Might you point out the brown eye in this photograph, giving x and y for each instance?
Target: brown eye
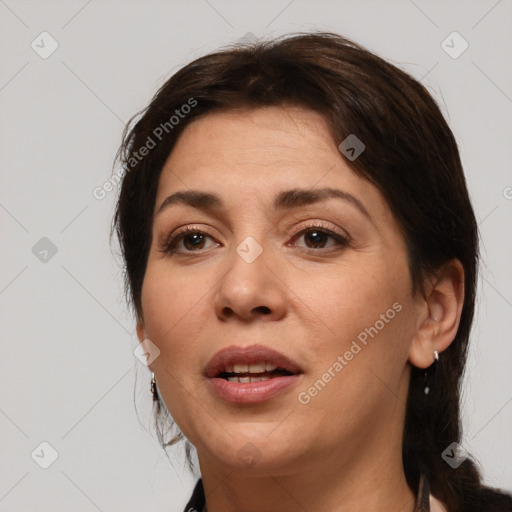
(191, 239)
(196, 241)
(316, 238)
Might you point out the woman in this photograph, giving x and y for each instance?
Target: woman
(301, 255)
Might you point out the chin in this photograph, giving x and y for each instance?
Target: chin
(255, 454)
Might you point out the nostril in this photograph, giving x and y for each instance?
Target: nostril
(227, 312)
(264, 309)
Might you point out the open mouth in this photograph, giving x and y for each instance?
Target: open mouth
(250, 376)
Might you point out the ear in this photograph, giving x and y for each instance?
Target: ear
(141, 331)
(141, 334)
(439, 310)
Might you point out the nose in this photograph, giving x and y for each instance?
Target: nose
(251, 290)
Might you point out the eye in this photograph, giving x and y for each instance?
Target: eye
(315, 236)
(193, 240)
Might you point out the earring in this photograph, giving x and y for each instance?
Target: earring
(431, 372)
(154, 392)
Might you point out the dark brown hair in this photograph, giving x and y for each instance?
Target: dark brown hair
(411, 156)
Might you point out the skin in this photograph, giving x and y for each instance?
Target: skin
(342, 450)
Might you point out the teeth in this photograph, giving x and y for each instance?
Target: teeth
(247, 379)
(257, 368)
(251, 368)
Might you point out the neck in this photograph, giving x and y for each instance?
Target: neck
(355, 479)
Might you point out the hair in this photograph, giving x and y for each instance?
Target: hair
(410, 155)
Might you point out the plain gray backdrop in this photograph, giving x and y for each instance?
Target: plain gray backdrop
(69, 375)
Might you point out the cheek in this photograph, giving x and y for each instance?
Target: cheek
(174, 310)
(364, 314)
(347, 299)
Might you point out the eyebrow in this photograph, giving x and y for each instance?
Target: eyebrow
(285, 200)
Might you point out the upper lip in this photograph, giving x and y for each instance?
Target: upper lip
(248, 355)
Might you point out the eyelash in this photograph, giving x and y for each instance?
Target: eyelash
(169, 245)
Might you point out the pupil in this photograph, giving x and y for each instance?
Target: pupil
(197, 239)
(316, 237)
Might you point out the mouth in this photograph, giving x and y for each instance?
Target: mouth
(251, 374)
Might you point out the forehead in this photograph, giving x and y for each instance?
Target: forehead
(262, 149)
(266, 136)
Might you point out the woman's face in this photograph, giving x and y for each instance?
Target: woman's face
(251, 272)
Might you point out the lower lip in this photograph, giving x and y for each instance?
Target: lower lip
(252, 392)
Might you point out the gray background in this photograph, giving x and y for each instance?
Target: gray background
(67, 366)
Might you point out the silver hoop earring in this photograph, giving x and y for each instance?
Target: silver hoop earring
(430, 373)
